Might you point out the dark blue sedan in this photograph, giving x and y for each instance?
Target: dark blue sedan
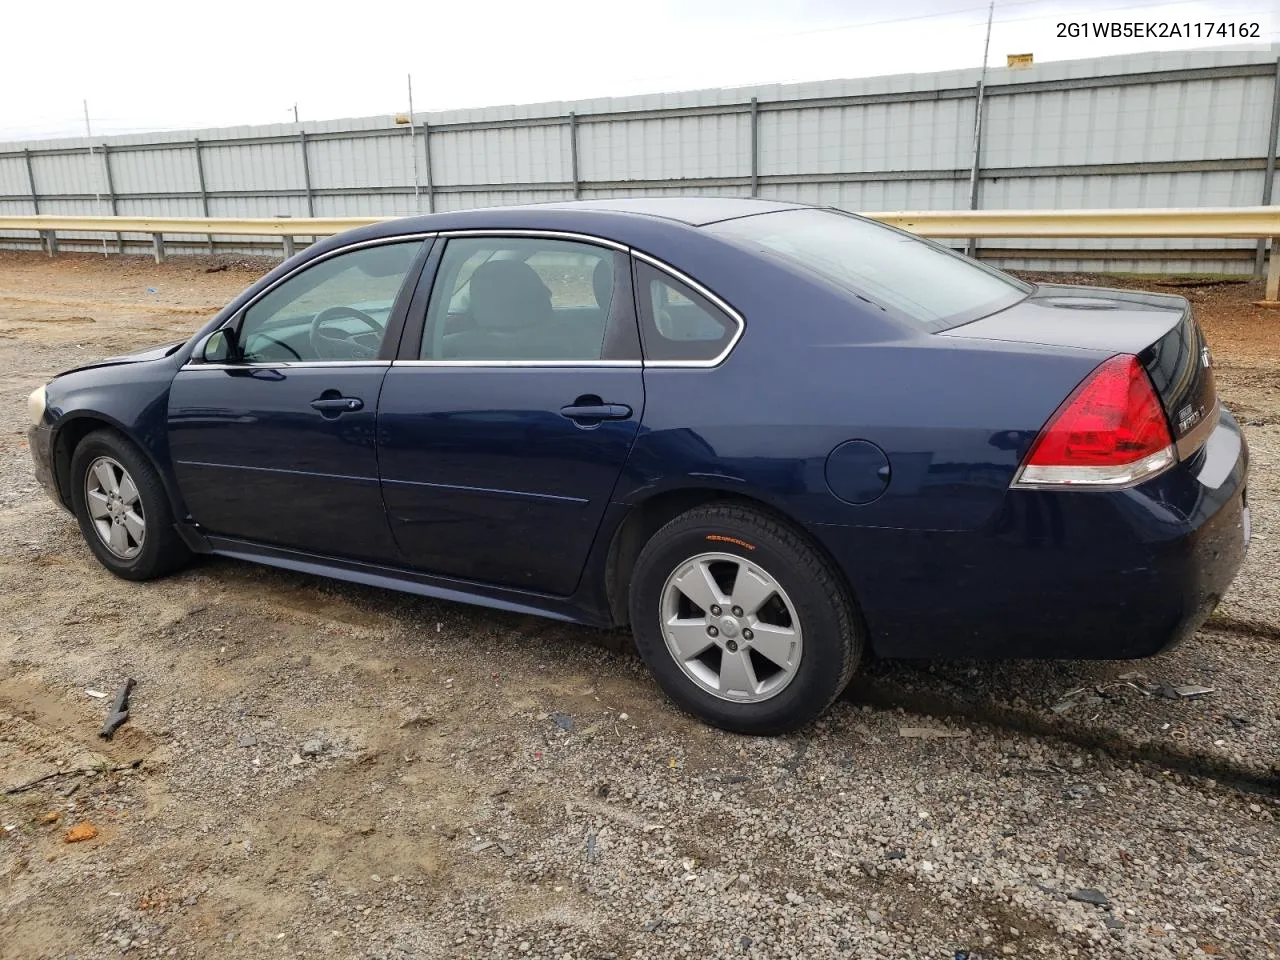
(771, 438)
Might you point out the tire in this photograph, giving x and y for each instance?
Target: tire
(144, 552)
(808, 624)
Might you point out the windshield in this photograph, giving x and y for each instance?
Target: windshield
(893, 269)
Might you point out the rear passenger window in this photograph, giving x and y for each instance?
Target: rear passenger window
(519, 298)
(679, 324)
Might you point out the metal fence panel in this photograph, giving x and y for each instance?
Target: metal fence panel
(914, 135)
(250, 166)
(13, 179)
(502, 155)
(169, 170)
(673, 148)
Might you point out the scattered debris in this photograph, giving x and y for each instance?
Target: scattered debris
(1242, 850)
(930, 733)
(651, 925)
(792, 764)
(248, 740)
(898, 854)
(81, 831)
(311, 748)
(482, 846)
(216, 268)
(1184, 691)
(1113, 923)
(1089, 895)
(78, 771)
(53, 816)
(592, 855)
(96, 694)
(563, 721)
(119, 710)
(1067, 700)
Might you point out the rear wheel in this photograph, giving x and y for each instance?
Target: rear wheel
(742, 622)
(123, 510)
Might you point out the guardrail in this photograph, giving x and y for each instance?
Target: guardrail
(1246, 223)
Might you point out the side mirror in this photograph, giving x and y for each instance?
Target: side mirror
(217, 347)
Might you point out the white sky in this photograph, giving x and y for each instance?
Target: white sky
(176, 64)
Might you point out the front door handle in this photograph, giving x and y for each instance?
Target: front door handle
(596, 411)
(337, 404)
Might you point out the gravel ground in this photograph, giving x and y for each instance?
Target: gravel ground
(324, 770)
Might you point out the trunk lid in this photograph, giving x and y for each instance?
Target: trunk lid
(1155, 327)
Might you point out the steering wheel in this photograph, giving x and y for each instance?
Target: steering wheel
(339, 344)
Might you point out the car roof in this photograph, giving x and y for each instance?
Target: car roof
(650, 224)
(695, 211)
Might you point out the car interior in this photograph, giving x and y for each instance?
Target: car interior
(504, 307)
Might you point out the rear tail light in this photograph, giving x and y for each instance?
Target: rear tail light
(1111, 432)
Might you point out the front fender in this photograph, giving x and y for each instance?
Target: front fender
(131, 398)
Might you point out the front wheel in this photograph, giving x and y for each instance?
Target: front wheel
(123, 510)
(742, 622)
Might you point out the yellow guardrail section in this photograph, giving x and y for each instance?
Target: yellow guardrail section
(229, 226)
(1212, 222)
(1222, 222)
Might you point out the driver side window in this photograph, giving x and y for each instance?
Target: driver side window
(336, 310)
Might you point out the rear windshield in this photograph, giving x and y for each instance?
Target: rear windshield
(893, 269)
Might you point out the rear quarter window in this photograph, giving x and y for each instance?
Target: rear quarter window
(678, 324)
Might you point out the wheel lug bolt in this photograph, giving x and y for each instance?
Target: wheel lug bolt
(737, 611)
(715, 610)
(713, 632)
(748, 635)
(731, 646)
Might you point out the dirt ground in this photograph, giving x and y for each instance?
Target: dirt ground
(313, 769)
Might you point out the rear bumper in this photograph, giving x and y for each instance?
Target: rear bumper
(1061, 574)
(40, 442)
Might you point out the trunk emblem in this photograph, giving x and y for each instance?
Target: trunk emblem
(1188, 417)
(1206, 360)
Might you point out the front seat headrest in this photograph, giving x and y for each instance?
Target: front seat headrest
(602, 283)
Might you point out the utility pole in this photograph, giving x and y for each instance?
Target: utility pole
(413, 150)
(971, 248)
(295, 113)
(97, 193)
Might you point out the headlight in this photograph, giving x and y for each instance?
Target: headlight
(36, 405)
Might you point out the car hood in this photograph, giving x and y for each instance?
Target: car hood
(141, 356)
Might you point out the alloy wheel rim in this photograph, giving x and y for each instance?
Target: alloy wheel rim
(115, 507)
(731, 628)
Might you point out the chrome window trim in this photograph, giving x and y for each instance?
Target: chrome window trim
(192, 363)
(288, 364)
(535, 232)
(729, 311)
(517, 363)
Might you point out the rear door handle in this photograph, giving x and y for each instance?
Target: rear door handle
(596, 411)
(337, 404)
